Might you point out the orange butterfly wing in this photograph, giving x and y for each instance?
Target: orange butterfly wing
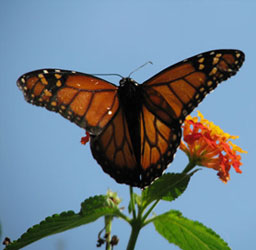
(88, 101)
(170, 96)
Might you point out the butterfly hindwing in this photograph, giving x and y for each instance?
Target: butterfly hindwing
(114, 151)
(159, 143)
(88, 101)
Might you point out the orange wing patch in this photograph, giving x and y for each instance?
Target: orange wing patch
(87, 82)
(153, 142)
(197, 79)
(65, 95)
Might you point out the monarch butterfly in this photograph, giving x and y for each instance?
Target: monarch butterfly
(134, 128)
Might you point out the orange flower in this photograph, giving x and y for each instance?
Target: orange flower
(208, 145)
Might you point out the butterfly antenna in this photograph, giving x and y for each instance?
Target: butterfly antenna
(110, 74)
(149, 62)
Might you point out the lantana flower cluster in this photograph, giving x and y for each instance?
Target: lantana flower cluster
(208, 145)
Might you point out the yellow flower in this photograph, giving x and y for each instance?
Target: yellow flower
(208, 145)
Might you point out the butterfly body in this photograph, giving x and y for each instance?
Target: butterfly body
(131, 99)
(135, 129)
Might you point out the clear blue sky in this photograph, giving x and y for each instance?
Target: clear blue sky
(44, 169)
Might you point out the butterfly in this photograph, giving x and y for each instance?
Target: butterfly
(134, 129)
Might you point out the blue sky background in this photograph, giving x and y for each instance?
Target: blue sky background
(44, 169)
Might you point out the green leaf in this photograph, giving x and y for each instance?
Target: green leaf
(187, 234)
(91, 209)
(97, 205)
(167, 187)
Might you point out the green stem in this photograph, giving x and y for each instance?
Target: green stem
(190, 166)
(134, 235)
(108, 226)
(136, 223)
(132, 203)
(124, 217)
(149, 211)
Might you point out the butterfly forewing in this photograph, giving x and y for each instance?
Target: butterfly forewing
(184, 85)
(88, 101)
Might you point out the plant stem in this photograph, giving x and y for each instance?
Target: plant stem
(134, 235)
(135, 223)
(149, 211)
(190, 166)
(132, 203)
(108, 225)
